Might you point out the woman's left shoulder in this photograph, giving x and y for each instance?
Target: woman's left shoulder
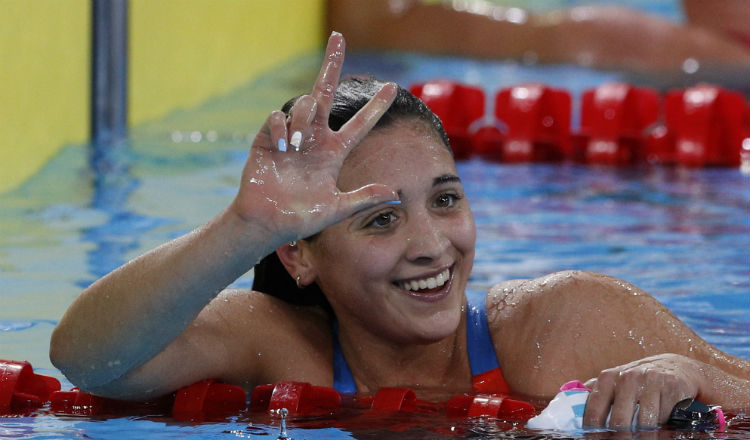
(537, 322)
(566, 289)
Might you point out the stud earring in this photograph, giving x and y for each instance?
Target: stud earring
(293, 243)
(299, 286)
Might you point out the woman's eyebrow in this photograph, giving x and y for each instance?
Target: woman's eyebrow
(445, 178)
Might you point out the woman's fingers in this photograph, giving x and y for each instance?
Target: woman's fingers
(655, 384)
(649, 414)
(358, 126)
(600, 400)
(300, 118)
(272, 135)
(277, 126)
(328, 78)
(627, 393)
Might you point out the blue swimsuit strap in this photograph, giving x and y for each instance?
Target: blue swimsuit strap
(482, 355)
(343, 381)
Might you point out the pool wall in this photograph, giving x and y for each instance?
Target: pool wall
(180, 54)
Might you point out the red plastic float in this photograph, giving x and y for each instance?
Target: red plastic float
(489, 405)
(615, 123)
(458, 106)
(77, 403)
(621, 124)
(208, 399)
(300, 398)
(708, 124)
(21, 390)
(538, 121)
(394, 399)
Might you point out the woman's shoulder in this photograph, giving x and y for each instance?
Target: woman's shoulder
(243, 307)
(568, 288)
(270, 335)
(541, 326)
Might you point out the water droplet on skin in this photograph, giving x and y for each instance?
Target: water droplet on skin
(538, 363)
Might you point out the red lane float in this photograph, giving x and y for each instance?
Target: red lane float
(22, 391)
(208, 399)
(621, 124)
(708, 125)
(489, 405)
(458, 106)
(538, 121)
(300, 398)
(77, 403)
(615, 119)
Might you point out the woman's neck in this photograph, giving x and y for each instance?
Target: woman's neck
(434, 371)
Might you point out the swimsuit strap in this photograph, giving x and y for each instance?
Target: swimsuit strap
(343, 381)
(482, 356)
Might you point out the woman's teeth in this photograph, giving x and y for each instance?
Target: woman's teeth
(427, 283)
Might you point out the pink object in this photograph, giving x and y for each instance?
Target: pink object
(574, 385)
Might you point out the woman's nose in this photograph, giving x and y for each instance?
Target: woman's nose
(426, 241)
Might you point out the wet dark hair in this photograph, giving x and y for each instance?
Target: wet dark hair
(351, 95)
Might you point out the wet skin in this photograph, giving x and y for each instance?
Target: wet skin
(363, 262)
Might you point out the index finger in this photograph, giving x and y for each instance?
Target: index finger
(328, 78)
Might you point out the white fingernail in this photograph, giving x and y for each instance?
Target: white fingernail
(281, 145)
(296, 140)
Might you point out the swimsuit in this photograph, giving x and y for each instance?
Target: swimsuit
(485, 369)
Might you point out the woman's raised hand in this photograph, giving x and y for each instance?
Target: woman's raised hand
(289, 181)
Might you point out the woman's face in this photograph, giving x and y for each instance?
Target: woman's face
(399, 271)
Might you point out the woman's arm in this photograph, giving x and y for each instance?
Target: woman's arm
(579, 325)
(129, 316)
(288, 191)
(600, 36)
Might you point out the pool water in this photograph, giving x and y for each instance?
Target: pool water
(679, 234)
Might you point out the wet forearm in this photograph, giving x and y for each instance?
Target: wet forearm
(132, 314)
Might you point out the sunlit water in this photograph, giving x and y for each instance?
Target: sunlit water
(681, 235)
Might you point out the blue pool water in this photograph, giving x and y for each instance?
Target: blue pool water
(681, 235)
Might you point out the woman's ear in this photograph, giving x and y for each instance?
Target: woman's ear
(296, 258)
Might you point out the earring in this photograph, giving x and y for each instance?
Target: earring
(293, 243)
(299, 286)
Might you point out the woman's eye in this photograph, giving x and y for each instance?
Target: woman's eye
(382, 220)
(446, 200)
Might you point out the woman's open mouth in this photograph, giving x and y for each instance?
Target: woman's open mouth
(431, 288)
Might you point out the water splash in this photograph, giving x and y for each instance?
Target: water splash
(283, 412)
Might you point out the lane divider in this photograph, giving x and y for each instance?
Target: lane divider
(620, 124)
(24, 393)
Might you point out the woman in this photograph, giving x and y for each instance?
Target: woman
(379, 222)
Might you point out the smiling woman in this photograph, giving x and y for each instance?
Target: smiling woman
(373, 212)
